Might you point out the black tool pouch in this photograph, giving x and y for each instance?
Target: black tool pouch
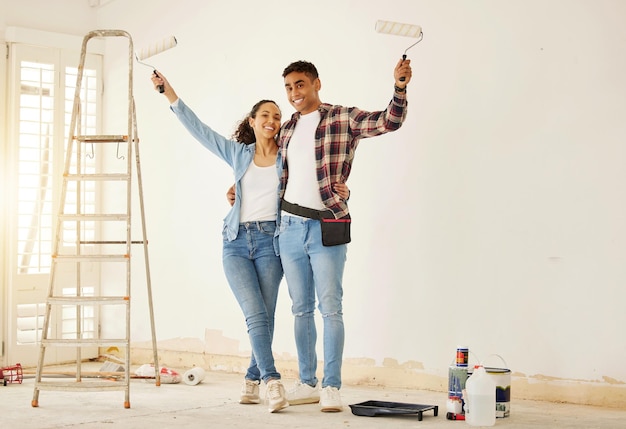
(335, 231)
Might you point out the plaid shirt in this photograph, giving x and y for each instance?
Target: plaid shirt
(336, 139)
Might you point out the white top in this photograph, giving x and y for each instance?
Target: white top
(259, 187)
(302, 186)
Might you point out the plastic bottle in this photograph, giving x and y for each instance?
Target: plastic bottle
(481, 398)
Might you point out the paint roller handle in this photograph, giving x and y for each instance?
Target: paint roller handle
(402, 79)
(402, 72)
(159, 81)
(161, 88)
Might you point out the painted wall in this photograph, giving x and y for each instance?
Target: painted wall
(493, 218)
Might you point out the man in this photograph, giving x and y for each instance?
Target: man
(317, 148)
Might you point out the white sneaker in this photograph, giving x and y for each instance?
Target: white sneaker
(330, 400)
(250, 392)
(275, 395)
(302, 393)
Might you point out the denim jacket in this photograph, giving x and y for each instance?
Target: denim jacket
(237, 155)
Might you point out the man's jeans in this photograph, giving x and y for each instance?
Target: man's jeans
(254, 273)
(312, 268)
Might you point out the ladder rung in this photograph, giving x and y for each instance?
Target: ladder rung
(81, 385)
(98, 177)
(94, 217)
(111, 242)
(102, 139)
(90, 258)
(82, 300)
(86, 342)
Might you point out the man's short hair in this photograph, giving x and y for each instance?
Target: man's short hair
(302, 67)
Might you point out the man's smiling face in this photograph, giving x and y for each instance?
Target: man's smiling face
(302, 92)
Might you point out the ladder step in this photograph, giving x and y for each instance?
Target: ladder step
(81, 385)
(86, 342)
(97, 177)
(111, 242)
(102, 139)
(90, 258)
(93, 217)
(84, 300)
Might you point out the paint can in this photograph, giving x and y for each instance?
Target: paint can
(502, 379)
(462, 356)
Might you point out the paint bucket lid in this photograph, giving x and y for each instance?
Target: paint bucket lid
(497, 370)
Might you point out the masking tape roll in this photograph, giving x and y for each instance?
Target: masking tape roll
(194, 376)
(157, 48)
(398, 29)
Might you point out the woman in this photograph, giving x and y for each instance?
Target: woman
(251, 264)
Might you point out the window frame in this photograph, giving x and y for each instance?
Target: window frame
(30, 290)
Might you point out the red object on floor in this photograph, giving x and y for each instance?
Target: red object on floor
(11, 374)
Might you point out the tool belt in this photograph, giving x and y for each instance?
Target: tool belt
(334, 231)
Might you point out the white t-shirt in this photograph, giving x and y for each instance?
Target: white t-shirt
(259, 187)
(302, 187)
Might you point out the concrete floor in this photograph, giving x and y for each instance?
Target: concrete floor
(213, 403)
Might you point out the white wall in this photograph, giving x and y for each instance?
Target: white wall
(493, 218)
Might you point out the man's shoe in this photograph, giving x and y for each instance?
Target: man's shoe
(275, 394)
(330, 400)
(302, 393)
(250, 392)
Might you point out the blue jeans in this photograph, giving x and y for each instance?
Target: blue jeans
(254, 273)
(313, 269)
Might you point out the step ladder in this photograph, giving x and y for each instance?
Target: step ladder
(67, 284)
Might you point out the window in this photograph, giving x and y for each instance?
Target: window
(41, 88)
(34, 205)
(36, 171)
(89, 110)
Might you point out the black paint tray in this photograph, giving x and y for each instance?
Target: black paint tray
(382, 408)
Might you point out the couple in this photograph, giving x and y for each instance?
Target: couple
(308, 160)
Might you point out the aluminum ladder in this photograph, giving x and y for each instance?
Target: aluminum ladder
(116, 254)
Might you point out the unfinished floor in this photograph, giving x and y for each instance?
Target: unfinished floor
(213, 403)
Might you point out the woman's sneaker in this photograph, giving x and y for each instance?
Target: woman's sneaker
(302, 393)
(330, 400)
(275, 394)
(250, 392)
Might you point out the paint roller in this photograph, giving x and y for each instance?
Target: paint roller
(400, 29)
(156, 48)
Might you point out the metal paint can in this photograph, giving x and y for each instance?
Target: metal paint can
(502, 378)
(462, 356)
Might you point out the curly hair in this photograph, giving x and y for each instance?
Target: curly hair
(244, 132)
(302, 67)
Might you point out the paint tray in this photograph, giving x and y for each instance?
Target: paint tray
(383, 408)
